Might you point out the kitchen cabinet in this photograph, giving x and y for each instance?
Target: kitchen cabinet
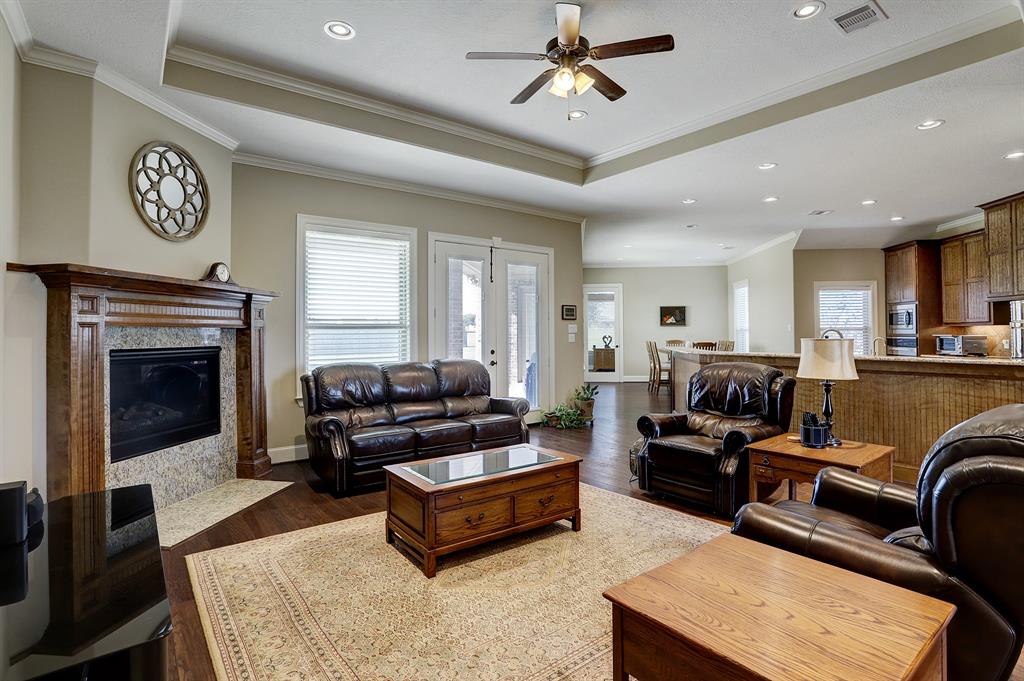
(901, 277)
(1004, 247)
(965, 280)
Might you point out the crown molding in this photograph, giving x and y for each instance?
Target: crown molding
(230, 67)
(783, 238)
(61, 61)
(396, 185)
(619, 266)
(971, 219)
(17, 25)
(986, 22)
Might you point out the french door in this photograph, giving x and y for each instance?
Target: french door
(491, 304)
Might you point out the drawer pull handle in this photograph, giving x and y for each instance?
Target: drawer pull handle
(545, 502)
(558, 475)
(460, 497)
(469, 518)
(766, 461)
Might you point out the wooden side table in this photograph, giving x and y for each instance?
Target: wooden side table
(780, 458)
(733, 609)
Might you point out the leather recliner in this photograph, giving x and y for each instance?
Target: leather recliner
(958, 538)
(361, 417)
(701, 456)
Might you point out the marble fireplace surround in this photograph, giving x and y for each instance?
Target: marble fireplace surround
(85, 305)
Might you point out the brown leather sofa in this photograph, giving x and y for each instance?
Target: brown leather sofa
(958, 538)
(361, 417)
(701, 456)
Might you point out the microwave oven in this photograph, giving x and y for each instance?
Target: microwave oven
(902, 320)
(961, 345)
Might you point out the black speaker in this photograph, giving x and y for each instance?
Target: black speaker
(13, 512)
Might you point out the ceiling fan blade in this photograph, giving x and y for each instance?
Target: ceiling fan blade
(628, 48)
(603, 84)
(567, 18)
(531, 89)
(525, 56)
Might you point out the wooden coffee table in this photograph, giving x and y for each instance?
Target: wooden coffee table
(437, 506)
(739, 610)
(779, 458)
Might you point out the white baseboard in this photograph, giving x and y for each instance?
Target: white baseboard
(634, 379)
(286, 454)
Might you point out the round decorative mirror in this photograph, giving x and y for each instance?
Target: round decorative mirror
(169, 190)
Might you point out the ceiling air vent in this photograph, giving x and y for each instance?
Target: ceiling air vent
(861, 17)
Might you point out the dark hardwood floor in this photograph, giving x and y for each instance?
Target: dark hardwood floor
(605, 464)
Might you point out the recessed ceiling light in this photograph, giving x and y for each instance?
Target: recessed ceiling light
(727, 247)
(1014, 155)
(770, 199)
(339, 30)
(930, 124)
(696, 257)
(690, 227)
(868, 202)
(618, 258)
(628, 246)
(821, 212)
(896, 218)
(577, 115)
(688, 201)
(808, 9)
(766, 166)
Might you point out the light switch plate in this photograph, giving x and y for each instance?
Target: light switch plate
(573, 328)
(572, 338)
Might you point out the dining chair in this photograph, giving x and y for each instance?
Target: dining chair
(659, 374)
(725, 345)
(650, 365)
(675, 343)
(704, 345)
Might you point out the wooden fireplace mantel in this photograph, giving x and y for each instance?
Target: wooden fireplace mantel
(81, 302)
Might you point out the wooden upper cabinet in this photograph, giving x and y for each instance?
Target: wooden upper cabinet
(908, 273)
(901, 274)
(965, 280)
(1004, 246)
(893, 285)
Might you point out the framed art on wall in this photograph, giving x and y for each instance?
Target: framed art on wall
(673, 315)
(569, 313)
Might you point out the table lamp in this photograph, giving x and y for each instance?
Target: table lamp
(828, 360)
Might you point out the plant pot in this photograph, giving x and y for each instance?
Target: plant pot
(586, 407)
(552, 421)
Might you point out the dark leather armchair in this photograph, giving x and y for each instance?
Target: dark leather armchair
(361, 417)
(958, 538)
(701, 456)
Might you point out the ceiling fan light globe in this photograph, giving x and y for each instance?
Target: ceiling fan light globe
(564, 79)
(558, 93)
(582, 82)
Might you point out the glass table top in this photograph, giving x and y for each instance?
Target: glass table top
(479, 464)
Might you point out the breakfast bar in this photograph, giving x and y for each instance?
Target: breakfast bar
(904, 402)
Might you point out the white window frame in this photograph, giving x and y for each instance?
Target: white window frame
(304, 223)
(869, 285)
(743, 283)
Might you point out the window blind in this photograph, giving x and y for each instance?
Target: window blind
(357, 296)
(847, 308)
(741, 317)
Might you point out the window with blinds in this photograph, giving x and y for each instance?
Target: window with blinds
(846, 307)
(741, 316)
(356, 295)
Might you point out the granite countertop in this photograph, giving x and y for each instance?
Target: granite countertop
(935, 359)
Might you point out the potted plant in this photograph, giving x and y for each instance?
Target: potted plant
(584, 398)
(564, 417)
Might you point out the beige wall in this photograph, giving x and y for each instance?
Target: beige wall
(770, 275)
(10, 101)
(855, 264)
(77, 139)
(644, 289)
(265, 206)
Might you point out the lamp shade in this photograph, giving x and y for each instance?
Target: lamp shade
(827, 359)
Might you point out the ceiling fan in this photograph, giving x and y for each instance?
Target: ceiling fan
(568, 50)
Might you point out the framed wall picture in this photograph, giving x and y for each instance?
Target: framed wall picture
(673, 315)
(569, 312)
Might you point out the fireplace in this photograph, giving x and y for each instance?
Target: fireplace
(162, 397)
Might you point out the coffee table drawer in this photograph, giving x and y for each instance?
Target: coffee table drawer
(472, 520)
(537, 503)
(468, 496)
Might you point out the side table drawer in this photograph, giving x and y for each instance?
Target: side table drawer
(764, 473)
(472, 520)
(537, 503)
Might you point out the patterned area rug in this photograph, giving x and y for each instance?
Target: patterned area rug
(181, 520)
(335, 602)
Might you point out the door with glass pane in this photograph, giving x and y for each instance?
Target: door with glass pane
(602, 332)
(491, 305)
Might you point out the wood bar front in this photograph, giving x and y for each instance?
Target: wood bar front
(904, 402)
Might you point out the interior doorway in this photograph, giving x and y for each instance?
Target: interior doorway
(491, 302)
(602, 333)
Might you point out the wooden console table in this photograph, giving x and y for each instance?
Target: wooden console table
(779, 458)
(737, 610)
(81, 302)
